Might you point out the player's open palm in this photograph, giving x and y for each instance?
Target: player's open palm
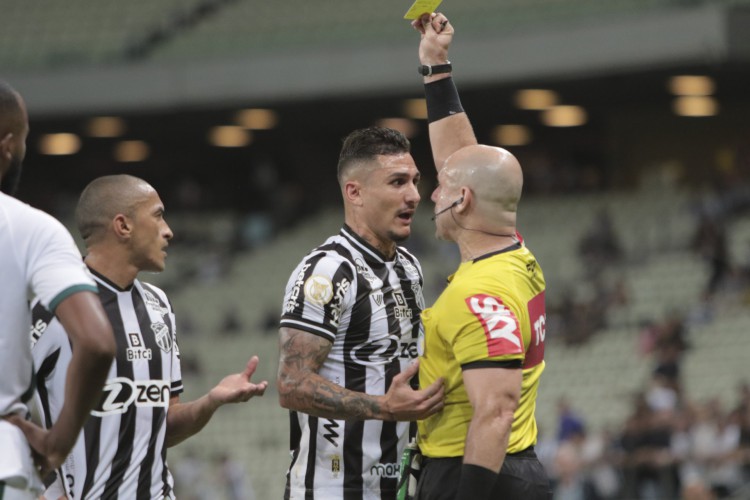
(404, 403)
(238, 387)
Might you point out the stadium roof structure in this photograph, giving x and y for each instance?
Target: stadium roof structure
(84, 56)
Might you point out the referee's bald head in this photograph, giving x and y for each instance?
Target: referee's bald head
(106, 197)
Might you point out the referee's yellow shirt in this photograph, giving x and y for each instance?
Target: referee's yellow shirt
(492, 309)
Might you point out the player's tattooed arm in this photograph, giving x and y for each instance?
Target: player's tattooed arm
(301, 387)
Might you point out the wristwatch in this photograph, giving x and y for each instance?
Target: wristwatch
(428, 70)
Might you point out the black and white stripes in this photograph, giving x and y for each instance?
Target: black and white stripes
(120, 452)
(368, 307)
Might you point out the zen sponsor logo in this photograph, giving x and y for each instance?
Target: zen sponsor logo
(120, 393)
(376, 352)
(409, 350)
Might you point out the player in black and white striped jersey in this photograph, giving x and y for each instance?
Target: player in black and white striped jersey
(122, 450)
(349, 329)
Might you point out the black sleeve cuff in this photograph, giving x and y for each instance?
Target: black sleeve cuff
(442, 99)
(476, 483)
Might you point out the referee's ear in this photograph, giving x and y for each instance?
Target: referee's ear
(122, 227)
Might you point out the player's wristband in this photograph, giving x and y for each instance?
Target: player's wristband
(476, 482)
(442, 99)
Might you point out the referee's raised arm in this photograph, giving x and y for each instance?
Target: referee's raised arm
(450, 129)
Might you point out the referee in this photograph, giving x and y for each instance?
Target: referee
(485, 333)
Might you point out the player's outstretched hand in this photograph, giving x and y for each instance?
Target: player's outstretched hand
(47, 456)
(404, 403)
(238, 388)
(437, 34)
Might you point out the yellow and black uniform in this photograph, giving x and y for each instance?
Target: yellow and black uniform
(492, 313)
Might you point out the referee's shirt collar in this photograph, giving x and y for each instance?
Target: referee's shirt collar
(363, 246)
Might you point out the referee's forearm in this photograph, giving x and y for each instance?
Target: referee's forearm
(487, 440)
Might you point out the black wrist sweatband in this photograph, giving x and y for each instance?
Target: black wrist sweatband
(442, 99)
(476, 482)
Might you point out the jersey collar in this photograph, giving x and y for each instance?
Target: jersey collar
(106, 281)
(514, 246)
(363, 246)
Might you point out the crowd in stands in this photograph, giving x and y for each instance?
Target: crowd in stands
(666, 449)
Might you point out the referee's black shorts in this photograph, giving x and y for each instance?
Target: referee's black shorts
(522, 477)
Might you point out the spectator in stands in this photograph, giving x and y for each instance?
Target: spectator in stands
(568, 422)
(600, 246)
(232, 479)
(710, 242)
(231, 322)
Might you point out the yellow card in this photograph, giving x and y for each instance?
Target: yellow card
(420, 7)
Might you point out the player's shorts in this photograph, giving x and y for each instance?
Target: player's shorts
(521, 477)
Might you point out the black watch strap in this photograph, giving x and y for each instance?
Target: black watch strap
(428, 70)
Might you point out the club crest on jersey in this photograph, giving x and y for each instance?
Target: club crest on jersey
(163, 336)
(318, 290)
(335, 465)
(153, 303)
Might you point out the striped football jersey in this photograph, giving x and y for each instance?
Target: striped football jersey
(121, 451)
(368, 307)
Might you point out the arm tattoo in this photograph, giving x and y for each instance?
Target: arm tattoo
(303, 389)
